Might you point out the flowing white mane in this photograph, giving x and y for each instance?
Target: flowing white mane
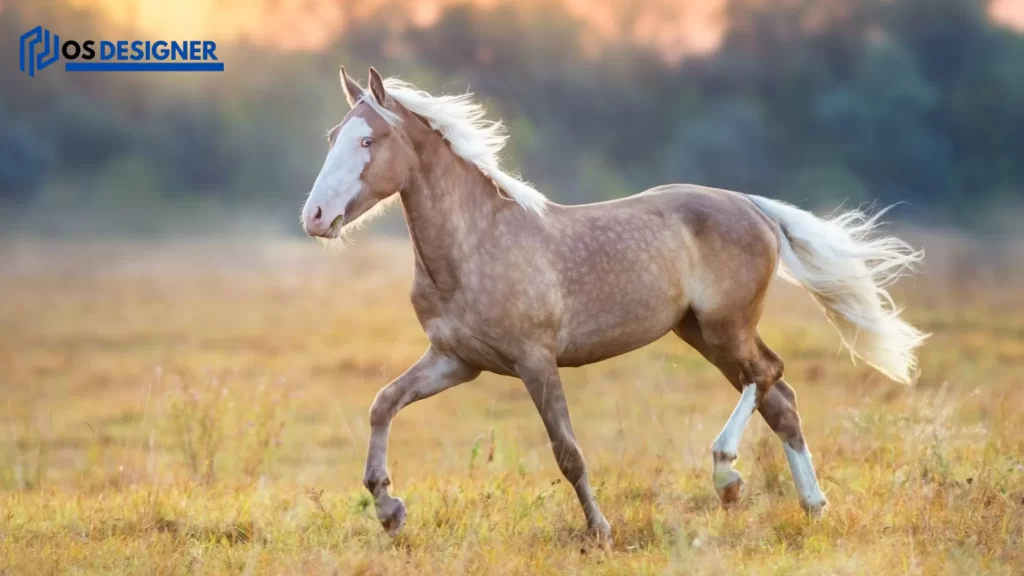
(462, 122)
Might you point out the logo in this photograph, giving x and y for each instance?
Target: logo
(37, 52)
(49, 54)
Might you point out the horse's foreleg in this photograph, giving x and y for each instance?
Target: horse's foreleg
(432, 373)
(545, 388)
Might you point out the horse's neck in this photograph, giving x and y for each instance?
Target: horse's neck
(447, 204)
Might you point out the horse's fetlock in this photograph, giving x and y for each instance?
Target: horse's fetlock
(375, 481)
(722, 457)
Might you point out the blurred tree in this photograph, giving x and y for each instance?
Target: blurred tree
(728, 146)
(883, 124)
(817, 101)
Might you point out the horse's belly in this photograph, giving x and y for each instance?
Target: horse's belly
(607, 333)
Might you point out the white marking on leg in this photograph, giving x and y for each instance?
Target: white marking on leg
(728, 440)
(811, 497)
(727, 444)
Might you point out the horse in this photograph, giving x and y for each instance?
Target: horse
(508, 282)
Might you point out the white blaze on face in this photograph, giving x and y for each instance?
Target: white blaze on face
(339, 180)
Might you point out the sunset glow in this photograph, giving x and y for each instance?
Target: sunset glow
(668, 26)
(671, 27)
(1010, 12)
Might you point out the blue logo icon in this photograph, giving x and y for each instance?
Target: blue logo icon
(41, 59)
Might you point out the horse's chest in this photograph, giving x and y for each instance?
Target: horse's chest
(469, 344)
(476, 332)
(444, 333)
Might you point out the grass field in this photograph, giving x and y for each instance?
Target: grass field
(202, 408)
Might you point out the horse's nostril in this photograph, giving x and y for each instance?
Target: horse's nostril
(318, 214)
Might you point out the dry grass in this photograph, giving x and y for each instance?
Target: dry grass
(203, 409)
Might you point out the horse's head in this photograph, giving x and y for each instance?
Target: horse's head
(369, 159)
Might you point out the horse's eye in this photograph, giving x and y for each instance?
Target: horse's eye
(366, 142)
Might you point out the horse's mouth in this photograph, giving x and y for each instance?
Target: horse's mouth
(334, 230)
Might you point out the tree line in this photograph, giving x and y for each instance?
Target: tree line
(821, 103)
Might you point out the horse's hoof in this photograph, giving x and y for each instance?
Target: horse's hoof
(729, 485)
(392, 515)
(601, 532)
(815, 509)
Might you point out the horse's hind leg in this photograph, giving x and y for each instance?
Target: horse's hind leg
(735, 340)
(778, 407)
(779, 410)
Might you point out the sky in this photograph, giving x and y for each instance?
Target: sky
(672, 27)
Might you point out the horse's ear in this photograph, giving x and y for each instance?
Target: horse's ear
(353, 91)
(377, 86)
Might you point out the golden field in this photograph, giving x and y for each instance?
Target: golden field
(201, 408)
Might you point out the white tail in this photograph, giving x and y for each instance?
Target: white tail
(846, 267)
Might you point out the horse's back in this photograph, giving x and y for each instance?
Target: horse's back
(706, 220)
(631, 268)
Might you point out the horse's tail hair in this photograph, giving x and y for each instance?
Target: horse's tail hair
(846, 266)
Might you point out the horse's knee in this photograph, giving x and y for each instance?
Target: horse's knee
(382, 409)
